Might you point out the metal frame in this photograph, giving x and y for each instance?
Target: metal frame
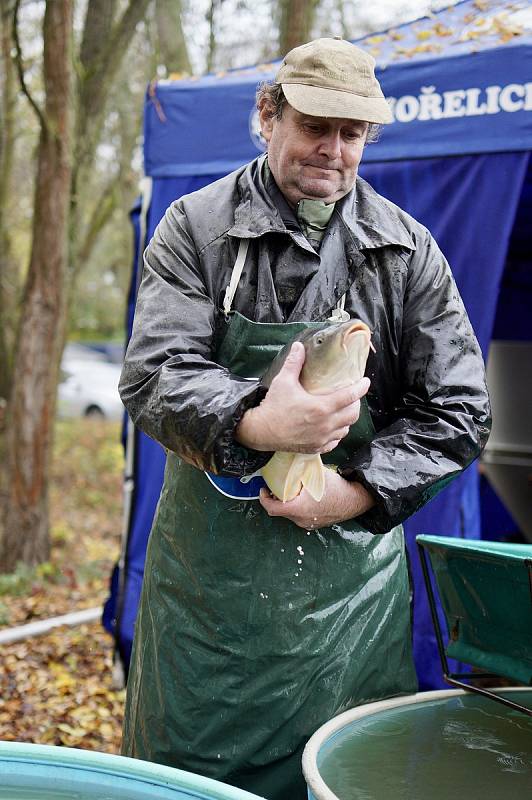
(448, 676)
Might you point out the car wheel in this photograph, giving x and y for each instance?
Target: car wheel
(94, 412)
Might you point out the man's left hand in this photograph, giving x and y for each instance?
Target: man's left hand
(341, 500)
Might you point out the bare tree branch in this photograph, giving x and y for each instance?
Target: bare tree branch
(19, 62)
(101, 215)
(211, 21)
(171, 40)
(297, 19)
(98, 71)
(101, 70)
(99, 21)
(7, 147)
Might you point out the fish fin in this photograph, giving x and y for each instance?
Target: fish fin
(294, 477)
(275, 474)
(313, 477)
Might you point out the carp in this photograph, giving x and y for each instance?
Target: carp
(335, 356)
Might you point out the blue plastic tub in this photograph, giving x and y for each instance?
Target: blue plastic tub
(42, 772)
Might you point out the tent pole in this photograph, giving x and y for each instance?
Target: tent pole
(119, 675)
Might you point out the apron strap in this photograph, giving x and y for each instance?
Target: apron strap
(338, 315)
(230, 290)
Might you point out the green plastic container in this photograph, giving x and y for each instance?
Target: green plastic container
(42, 772)
(485, 590)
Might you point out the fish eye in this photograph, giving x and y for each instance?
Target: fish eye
(319, 339)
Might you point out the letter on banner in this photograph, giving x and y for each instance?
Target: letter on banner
(406, 108)
(505, 98)
(429, 103)
(492, 95)
(528, 97)
(473, 107)
(452, 103)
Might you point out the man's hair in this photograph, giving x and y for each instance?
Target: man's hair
(273, 95)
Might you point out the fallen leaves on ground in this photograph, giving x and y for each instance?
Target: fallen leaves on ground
(57, 689)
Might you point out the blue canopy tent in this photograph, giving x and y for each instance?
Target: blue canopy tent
(457, 157)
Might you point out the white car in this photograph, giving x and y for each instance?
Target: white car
(89, 388)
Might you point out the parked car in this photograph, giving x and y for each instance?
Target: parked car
(111, 351)
(88, 386)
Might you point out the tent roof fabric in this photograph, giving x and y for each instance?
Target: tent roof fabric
(458, 82)
(471, 26)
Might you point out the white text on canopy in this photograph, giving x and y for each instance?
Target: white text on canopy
(430, 104)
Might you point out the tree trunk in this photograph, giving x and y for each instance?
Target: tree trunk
(102, 51)
(172, 44)
(8, 272)
(297, 19)
(343, 21)
(101, 55)
(31, 409)
(211, 51)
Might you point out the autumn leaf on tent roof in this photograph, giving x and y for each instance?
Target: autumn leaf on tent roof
(179, 76)
(410, 52)
(423, 35)
(500, 25)
(442, 30)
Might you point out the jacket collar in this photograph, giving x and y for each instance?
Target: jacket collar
(372, 221)
(376, 222)
(256, 213)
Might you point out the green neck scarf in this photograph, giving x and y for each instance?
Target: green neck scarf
(312, 215)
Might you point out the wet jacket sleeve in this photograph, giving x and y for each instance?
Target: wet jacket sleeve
(442, 419)
(172, 388)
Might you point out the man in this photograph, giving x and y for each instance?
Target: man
(259, 620)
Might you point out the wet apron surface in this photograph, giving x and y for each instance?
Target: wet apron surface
(252, 632)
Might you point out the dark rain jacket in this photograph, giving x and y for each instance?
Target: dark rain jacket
(427, 398)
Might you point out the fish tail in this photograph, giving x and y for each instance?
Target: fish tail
(275, 474)
(312, 476)
(287, 473)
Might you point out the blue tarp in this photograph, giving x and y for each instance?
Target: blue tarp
(460, 164)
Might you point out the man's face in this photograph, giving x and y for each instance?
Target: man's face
(312, 157)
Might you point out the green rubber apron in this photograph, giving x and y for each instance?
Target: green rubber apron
(251, 631)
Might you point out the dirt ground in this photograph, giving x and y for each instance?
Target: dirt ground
(57, 688)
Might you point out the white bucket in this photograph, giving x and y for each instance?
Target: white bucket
(346, 724)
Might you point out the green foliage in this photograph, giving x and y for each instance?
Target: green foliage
(19, 582)
(5, 615)
(61, 534)
(48, 571)
(25, 579)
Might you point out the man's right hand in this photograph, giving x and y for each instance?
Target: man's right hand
(292, 420)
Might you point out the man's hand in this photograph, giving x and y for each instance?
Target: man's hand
(292, 420)
(341, 500)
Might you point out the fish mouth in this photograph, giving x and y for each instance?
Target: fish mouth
(357, 328)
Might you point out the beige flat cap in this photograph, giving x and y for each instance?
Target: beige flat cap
(333, 78)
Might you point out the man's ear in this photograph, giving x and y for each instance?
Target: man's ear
(266, 118)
